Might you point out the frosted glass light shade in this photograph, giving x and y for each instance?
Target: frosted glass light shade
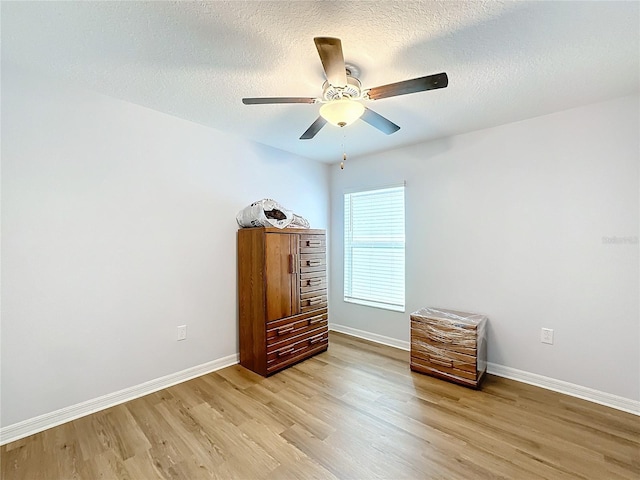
(342, 112)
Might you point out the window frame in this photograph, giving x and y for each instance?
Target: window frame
(397, 302)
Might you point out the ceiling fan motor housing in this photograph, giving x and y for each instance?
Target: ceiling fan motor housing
(351, 90)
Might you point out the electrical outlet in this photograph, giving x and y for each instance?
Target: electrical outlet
(182, 332)
(546, 336)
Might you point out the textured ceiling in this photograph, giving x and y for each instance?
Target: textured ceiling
(196, 60)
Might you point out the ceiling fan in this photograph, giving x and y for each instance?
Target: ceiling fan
(342, 92)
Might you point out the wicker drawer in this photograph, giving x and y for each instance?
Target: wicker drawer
(449, 344)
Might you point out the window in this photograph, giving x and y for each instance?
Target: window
(374, 248)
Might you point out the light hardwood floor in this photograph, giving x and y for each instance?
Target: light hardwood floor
(355, 411)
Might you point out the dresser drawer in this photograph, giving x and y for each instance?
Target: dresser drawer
(286, 328)
(443, 337)
(436, 369)
(312, 284)
(312, 244)
(439, 358)
(296, 349)
(280, 344)
(313, 300)
(310, 262)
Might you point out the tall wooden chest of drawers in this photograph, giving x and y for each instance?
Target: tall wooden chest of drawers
(282, 295)
(449, 344)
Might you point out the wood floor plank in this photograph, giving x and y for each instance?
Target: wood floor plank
(272, 442)
(340, 464)
(108, 465)
(303, 469)
(239, 377)
(143, 466)
(234, 443)
(355, 411)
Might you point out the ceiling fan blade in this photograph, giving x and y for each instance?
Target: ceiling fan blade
(330, 51)
(430, 82)
(381, 123)
(265, 100)
(313, 129)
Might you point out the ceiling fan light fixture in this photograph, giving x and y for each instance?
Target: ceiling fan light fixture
(342, 112)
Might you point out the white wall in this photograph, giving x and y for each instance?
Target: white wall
(510, 221)
(118, 224)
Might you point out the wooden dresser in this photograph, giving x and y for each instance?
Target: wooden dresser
(449, 344)
(282, 295)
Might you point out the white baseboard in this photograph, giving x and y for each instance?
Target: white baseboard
(560, 386)
(37, 424)
(374, 337)
(585, 393)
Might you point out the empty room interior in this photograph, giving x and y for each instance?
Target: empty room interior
(320, 239)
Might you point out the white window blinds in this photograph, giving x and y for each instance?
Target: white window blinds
(374, 248)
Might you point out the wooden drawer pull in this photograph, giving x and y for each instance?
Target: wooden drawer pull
(315, 300)
(441, 361)
(283, 330)
(315, 340)
(314, 263)
(316, 319)
(286, 351)
(313, 243)
(291, 264)
(314, 281)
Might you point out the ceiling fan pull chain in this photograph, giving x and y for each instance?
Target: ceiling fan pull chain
(344, 151)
